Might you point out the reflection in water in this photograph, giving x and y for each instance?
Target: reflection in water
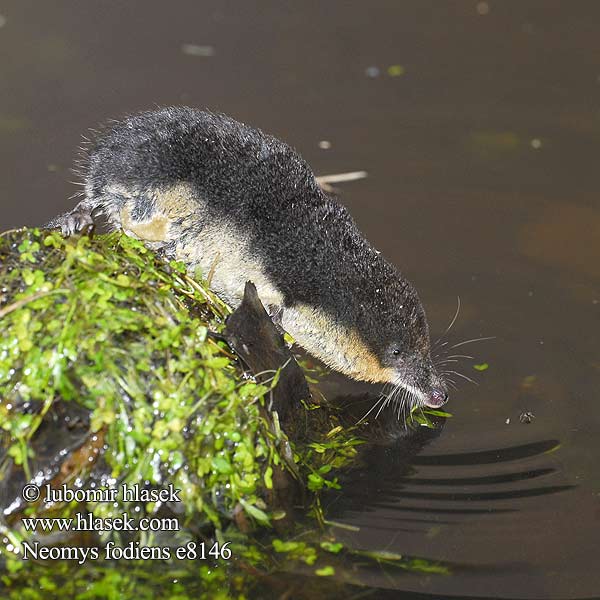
(490, 456)
(401, 492)
(408, 493)
(483, 183)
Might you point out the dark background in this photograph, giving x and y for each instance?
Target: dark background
(481, 143)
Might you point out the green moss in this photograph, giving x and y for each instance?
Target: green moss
(106, 326)
(124, 580)
(103, 322)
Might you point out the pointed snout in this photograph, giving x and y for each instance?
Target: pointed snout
(436, 398)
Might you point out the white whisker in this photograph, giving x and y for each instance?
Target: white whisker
(451, 322)
(382, 407)
(381, 399)
(492, 337)
(463, 376)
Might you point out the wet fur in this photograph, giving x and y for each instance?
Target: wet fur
(242, 205)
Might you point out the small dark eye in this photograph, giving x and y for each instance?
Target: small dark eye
(396, 352)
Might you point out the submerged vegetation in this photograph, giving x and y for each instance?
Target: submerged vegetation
(114, 371)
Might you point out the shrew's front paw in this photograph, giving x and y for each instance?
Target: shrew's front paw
(76, 221)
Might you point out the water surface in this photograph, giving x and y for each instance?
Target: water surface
(479, 126)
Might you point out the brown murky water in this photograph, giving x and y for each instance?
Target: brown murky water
(479, 126)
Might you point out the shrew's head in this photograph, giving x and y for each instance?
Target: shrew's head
(399, 339)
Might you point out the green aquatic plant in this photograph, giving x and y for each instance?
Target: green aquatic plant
(421, 417)
(106, 324)
(104, 334)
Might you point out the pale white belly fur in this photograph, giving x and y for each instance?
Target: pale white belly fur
(220, 251)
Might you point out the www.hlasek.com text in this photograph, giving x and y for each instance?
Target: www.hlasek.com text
(88, 522)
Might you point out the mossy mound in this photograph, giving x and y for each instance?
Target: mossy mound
(113, 371)
(104, 323)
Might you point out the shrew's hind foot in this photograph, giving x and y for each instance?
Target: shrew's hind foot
(78, 220)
